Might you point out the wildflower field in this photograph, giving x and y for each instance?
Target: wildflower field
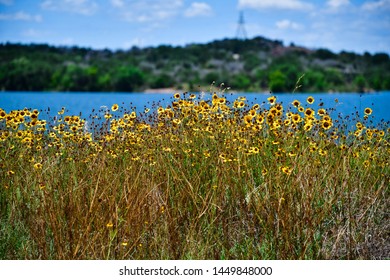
(197, 179)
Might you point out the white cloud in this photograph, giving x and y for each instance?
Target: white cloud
(68, 41)
(136, 42)
(117, 3)
(376, 5)
(335, 4)
(84, 7)
(198, 9)
(6, 2)
(33, 33)
(275, 4)
(21, 16)
(152, 11)
(287, 24)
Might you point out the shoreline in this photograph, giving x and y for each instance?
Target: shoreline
(160, 90)
(175, 90)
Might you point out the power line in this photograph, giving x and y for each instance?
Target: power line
(241, 32)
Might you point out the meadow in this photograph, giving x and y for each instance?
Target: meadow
(197, 179)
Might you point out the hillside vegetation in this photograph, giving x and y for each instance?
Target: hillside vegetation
(256, 64)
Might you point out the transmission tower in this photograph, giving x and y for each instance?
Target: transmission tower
(241, 33)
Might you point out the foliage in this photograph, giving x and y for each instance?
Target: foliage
(360, 82)
(197, 179)
(324, 54)
(128, 79)
(241, 81)
(46, 68)
(277, 81)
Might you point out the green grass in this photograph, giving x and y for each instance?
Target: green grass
(198, 180)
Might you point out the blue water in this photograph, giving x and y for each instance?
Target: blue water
(80, 102)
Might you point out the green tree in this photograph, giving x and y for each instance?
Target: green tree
(128, 79)
(360, 82)
(334, 77)
(241, 81)
(324, 54)
(277, 81)
(386, 82)
(291, 71)
(104, 82)
(55, 80)
(211, 77)
(314, 80)
(23, 74)
(74, 79)
(261, 77)
(162, 81)
(91, 78)
(380, 58)
(375, 80)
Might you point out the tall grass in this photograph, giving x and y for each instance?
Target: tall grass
(199, 179)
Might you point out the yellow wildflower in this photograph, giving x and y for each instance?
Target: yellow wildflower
(368, 111)
(326, 125)
(114, 107)
(310, 100)
(38, 165)
(271, 100)
(286, 170)
(296, 103)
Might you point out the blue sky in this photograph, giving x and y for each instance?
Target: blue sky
(359, 26)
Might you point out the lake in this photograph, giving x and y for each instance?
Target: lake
(81, 102)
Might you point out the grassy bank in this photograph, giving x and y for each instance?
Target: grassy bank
(199, 179)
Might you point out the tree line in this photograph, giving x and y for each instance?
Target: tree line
(256, 64)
